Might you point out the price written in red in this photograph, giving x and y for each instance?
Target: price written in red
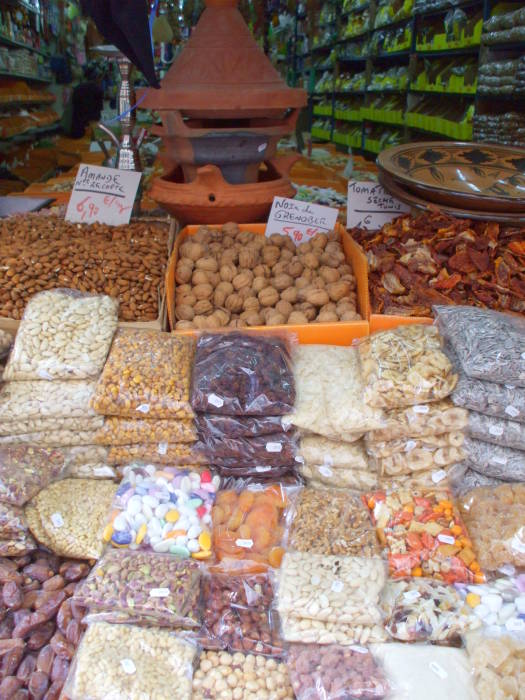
(300, 236)
(89, 211)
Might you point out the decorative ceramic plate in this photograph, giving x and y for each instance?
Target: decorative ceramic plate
(477, 176)
(413, 200)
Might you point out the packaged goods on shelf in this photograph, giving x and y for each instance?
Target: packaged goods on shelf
(497, 663)
(388, 12)
(505, 28)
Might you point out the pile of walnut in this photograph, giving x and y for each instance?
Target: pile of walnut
(238, 278)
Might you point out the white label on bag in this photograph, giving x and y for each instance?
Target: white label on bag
(420, 409)
(143, 408)
(359, 649)
(510, 386)
(337, 586)
(371, 206)
(496, 430)
(446, 539)
(262, 147)
(159, 592)
(411, 596)
(411, 445)
(103, 471)
(162, 448)
(260, 470)
(328, 460)
(439, 475)
(300, 221)
(128, 666)
(326, 471)
(246, 544)
(274, 447)
(57, 519)
(438, 670)
(215, 400)
(507, 570)
(512, 411)
(517, 544)
(498, 460)
(523, 355)
(315, 580)
(515, 625)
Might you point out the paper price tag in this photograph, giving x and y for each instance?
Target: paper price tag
(337, 586)
(496, 430)
(446, 539)
(420, 409)
(439, 475)
(274, 447)
(326, 471)
(438, 670)
(143, 408)
(57, 519)
(371, 206)
(301, 221)
(159, 592)
(512, 411)
(246, 544)
(215, 400)
(102, 194)
(411, 596)
(128, 666)
(162, 448)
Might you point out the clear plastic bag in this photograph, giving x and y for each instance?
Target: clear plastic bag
(332, 672)
(495, 517)
(276, 450)
(129, 431)
(307, 631)
(332, 522)
(126, 661)
(87, 462)
(249, 525)
(426, 479)
(329, 588)
(423, 610)
(463, 479)
(216, 426)
(180, 454)
(17, 546)
(420, 421)
(238, 614)
(68, 516)
(424, 534)
(416, 670)
(492, 460)
(243, 374)
(407, 445)
(147, 375)
(318, 450)
(64, 334)
(53, 438)
(405, 366)
(488, 344)
(13, 523)
(134, 586)
(498, 604)
(499, 400)
(25, 470)
(20, 401)
(497, 664)
(330, 394)
(43, 425)
(323, 476)
(507, 433)
(163, 509)
(418, 458)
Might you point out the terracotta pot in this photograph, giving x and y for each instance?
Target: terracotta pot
(210, 199)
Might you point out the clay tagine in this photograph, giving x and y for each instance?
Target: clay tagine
(222, 103)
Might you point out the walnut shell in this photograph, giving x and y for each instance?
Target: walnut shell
(304, 248)
(246, 292)
(317, 297)
(183, 273)
(282, 282)
(230, 228)
(302, 283)
(251, 304)
(192, 249)
(319, 241)
(289, 295)
(219, 297)
(216, 248)
(279, 268)
(310, 260)
(252, 318)
(183, 289)
(245, 237)
(204, 322)
(271, 254)
(277, 239)
(284, 307)
(318, 283)
(226, 287)
(184, 312)
(243, 279)
(297, 318)
(275, 318)
(332, 259)
(203, 307)
(184, 325)
(350, 316)
(186, 300)
(268, 296)
(203, 235)
(229, 257)
(308, 310)
(203, 291)
(338, 290)
(207, 263)
(213, 278)
(327, 317)
(295, 268)
(248, 258)
(199, 277)
(227, 272)
(234, 303)
(329, 274)
(222, 316)
(260, 283)
(262, 271)
(237, 323)
(286, 255)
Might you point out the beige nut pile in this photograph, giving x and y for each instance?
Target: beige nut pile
(238, 278)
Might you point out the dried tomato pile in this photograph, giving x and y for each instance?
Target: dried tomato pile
(416, 262)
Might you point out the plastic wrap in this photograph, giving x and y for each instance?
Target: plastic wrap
(425, 535)
(87, 462)
(25, 470)
(419, 455)
(216, 426)
(68, 516)
(404, 367)
(499, 604)
(420, 421)
(489, 344)
(497, 664)
(495, 517)
(21, 401)
(64, 334)
(424, 670)
(317, 450)
(330, 393)
(145, 587)
(52, 438)
(124, 661)
(507, 433)
(276, 450)
(426, 479)
(12, 521)
(129, 431)
(334, 672)
(492, 460)
(307, 631)
(407, 445)
(43, 425)
(163, 509)
(332, 522)
(168, 453)
(249, 525)
(423, 610)
(323, 476)
(238, 614)
(147, 375)
(499, 400)
(250, 676)
(463, 479)
(243, 374)
(17, 546)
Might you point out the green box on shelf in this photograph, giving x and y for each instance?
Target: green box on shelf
(320, 133)
(323, 110)
(372, 145)
(355, 141)
(340, 138)
(349, 114)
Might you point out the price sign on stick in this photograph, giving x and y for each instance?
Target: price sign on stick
(102, 194)
(371, 206)
(301, 221)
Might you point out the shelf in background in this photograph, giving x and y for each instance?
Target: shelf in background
(22, 76)
(444, 10)
(353, 59)
(349, 13)
(510, 46)
(466, 50)
(386, 91)
(31, 134)
(20, 45)
(443, 92)
(390, 25)
(391, 54)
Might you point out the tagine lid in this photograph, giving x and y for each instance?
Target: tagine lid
(222, 68)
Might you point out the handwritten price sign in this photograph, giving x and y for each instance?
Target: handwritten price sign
(102, 194)
(371, 206)
(301, 221)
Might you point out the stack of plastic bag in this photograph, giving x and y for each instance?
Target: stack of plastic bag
(58, 354)
(243, 385)
(486, 347)
(332, 417)
(406, 373)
